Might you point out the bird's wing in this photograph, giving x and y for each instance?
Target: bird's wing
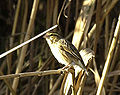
(70, 49)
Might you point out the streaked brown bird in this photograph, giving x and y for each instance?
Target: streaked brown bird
(64, 51)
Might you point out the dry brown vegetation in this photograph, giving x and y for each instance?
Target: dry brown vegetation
(93, 26)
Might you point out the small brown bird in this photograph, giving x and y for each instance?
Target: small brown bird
(64, 51)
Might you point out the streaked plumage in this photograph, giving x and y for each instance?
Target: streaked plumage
(64, 51)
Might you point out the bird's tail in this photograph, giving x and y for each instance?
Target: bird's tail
(83, 67)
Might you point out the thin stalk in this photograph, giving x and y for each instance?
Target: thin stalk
(68, 17)
(109, 57)
(27, 37)
(106, 34)
(15, 22)
(98, 24)
(114, 80)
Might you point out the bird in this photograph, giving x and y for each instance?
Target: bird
(64, 51)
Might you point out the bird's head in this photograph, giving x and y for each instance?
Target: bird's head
(52, 37)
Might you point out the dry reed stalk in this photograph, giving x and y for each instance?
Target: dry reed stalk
(3, 65)
(49, 13)
(82, 22)
(28, 74)
(76, 10)
(69, 35)
(111, 33)
(90, 36)
(113, 64)
(92, 31)
(88, 56)
(46, 88)
(8, 84)
(98, 24)
(106, 30)
(69, 83)
(80, 90)
(109, 8)
(68, 5)
(30, 68)
(24, 22)
(97, 77)
(114, 80)
(56, 85)
(52, 66)
(9, 62)
(55, 12)
(27, 37)
(115, 85)
(115, 55)
(109, 43)
(49, 17)
(62, 90)
(36, 86)
(99, 20)
(9, 57)
(15, 23)
(114, 73)
(106, 35)
(109, 58)
(91, 6)
(45, 65)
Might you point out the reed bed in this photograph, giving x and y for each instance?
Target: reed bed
(27, 65)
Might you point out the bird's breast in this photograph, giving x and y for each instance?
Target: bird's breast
(58, 55)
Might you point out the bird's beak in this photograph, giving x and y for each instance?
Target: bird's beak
(45, 36)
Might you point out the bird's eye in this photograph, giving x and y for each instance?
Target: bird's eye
(51, 38)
